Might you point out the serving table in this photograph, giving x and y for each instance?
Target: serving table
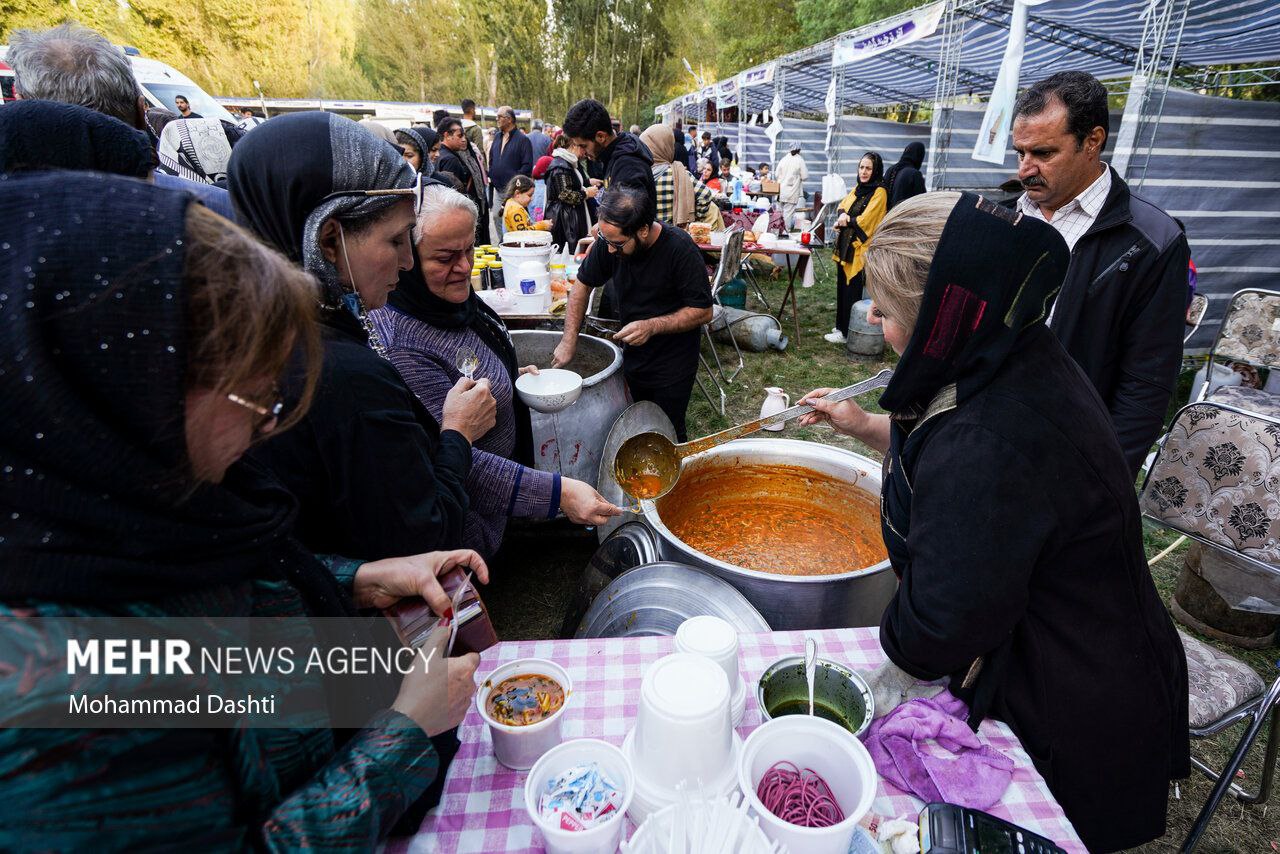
(482, 807)
(797, 258)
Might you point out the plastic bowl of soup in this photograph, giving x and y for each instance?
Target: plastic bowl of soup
(523, 703)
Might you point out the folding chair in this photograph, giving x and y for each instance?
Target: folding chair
(730, 263)
(1195, 315)
(1202, 484)
(1250, 335)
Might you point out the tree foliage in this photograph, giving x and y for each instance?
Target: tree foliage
(822, 19)
(536, 54)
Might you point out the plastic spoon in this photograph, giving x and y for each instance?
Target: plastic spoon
(648, 464)
(810, 667)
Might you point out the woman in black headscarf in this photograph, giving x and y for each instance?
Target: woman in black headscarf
(1010, 518)
(421, 147)
(376, 475)
(141, 338)
(903, 180)
(860, 215)
(38, 135)
(432, 316)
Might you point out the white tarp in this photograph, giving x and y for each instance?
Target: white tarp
(888, 34)
(993, 133)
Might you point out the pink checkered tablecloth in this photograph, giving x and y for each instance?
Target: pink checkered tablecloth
(482, 808)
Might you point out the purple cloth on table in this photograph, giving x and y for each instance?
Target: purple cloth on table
(976, 776)
(747, 219)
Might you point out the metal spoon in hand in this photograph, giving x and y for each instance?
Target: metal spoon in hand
(648, 464)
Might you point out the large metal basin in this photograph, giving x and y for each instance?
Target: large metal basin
(570, 442)
(856, 598)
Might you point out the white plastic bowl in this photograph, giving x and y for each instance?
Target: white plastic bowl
(550, 390)
(519, 747)
(602, 837)
(830, 750)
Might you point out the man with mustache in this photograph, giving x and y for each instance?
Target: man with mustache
(1120, 313)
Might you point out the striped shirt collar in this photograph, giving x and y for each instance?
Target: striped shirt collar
(1074, 219)
(1089, 202)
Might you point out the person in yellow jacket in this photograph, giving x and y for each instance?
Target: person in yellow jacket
(515, 214)
(860, 215)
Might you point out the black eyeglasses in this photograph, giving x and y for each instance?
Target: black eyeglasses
(266, 414)
(618, 245)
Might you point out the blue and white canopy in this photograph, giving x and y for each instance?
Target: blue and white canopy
(1098, 36)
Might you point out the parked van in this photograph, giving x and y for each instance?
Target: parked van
(160, 85)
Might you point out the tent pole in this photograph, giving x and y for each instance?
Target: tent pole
(944, 96)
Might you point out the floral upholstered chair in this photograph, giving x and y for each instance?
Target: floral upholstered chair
(1250, 335)
(1216, 479)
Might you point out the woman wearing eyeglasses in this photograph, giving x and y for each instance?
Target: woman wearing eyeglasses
(376, 474)
(432, 316)
(143, 337)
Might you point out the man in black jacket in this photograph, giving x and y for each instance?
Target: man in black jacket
(510, 155)
(459, 158)
(625, 158)
(1120, 313)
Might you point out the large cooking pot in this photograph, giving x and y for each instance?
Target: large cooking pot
(570, 441)
(854, 598)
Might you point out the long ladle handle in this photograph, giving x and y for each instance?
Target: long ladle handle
(697, 446)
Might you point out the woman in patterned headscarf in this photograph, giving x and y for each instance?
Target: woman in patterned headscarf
(198, 149)
(376, 474)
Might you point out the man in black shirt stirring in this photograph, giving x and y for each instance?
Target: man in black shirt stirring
(663, 294)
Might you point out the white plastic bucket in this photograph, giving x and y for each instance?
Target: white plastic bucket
(602, 837)
(829, 750)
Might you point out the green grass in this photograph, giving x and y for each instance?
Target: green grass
(813, 363)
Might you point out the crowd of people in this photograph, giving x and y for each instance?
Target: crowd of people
(229, 379)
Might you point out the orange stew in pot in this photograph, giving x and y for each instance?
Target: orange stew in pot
(782, 519)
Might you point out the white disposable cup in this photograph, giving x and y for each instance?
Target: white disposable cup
(683, 730)
(604, 836)
(713, 638)
(519, 747)
(831, 751)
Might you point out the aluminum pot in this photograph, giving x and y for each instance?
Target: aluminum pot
(856, 598)
(570, 442)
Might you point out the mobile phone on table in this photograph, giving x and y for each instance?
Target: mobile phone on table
(951, 829)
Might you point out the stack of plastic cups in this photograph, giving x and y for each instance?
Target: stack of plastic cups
(713, 638)
(683, 744)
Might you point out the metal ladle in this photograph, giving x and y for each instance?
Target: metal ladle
(648, 464)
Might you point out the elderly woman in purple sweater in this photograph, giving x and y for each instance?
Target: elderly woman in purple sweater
(430, 316)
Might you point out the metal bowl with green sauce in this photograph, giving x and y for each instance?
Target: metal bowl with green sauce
(839, 695)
